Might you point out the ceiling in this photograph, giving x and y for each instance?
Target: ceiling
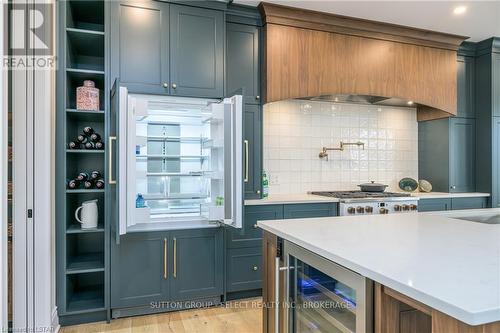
(480, 21)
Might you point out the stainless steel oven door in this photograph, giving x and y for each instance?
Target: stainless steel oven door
(323, 296)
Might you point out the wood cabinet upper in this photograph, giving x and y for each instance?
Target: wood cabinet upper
(163, 48)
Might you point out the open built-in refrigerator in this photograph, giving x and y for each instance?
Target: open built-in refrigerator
(175, 162)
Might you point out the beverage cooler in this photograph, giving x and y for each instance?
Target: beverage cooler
(180, 161)
(323, 296)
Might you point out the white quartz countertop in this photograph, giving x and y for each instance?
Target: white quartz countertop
(449, 264)
(294, 198)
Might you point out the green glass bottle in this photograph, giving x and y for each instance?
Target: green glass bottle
(265, 185)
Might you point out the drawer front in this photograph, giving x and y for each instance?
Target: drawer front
(432, 205)
(468, 203)
(244, 269)
(250, 235)
(298, 211)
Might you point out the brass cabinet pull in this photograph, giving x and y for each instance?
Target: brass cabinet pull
(165, 85)
(246, 161)
(255, 226)
(164, 258)
(174, 86)
(255, 268)
(257, 97)
(111, 181)
(175, 257)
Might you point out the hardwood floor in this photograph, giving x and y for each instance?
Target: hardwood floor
(242, 316)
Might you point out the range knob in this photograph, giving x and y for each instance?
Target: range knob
(369, 209)
(384, 211)
(413, 207)
(397, 208)
(406, 207)
(351, 210)
(360, 209)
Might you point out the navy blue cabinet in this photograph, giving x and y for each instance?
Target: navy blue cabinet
(297, 211)
(252, 133)
(197, 264)
(487, 116)
(465, 87)
(431, 205)
(242, 64)
(251, 235)
(163, 48)
(450, 144)
(138, 272)
(439, 204)
(167, 266)
(244, 269)
(196, 52)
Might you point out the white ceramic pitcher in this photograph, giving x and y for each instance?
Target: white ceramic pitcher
(89, 214)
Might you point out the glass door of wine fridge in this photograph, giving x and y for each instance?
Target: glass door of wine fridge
(325, 297)
(181, 165)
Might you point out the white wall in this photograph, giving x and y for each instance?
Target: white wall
(295, 132)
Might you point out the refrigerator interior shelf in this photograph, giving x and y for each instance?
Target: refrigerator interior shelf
(174, 138)
(183, 196)
(159, 156)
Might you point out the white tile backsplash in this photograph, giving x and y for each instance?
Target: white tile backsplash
(295, 132)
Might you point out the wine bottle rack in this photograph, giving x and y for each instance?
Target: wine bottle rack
(82, 254)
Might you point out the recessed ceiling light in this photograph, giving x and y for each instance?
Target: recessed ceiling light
(409, 102)
(459, 10)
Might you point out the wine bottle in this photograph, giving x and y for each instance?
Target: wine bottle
(99, 145)
(74, 145)
(82, 138)
(88, 184)
(73, 184)
(82, 176)
(99, 183)
(95, 175)
(88, 130)
(89, 145)
(95, 137)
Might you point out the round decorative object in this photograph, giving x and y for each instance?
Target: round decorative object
(424, 185)
(408, 184)
(87, 96)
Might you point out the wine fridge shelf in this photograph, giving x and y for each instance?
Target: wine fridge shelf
(82, 254)
(85, 151)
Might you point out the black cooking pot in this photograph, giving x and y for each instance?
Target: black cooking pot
(372, 187)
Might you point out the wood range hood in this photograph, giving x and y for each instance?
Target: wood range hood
(309, 54)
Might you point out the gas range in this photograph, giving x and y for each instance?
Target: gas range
(366, 203)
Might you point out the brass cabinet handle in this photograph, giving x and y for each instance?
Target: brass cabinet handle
(257, 97)
(164, 258)
(255, 226)
(258, 192)
(165, 85)
(246, 161)
(175, 257)
(174, 86)
(111, 181)
(255, 268)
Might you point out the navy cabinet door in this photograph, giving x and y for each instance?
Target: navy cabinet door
(462, 155)
(298, 211)
(139, 45)
(432, 205)
(196, 264)
(244, 269)
(252, 235)
(138, 270)
(468, 203)
(196, 52)
(252, 133)
(242, 61)
(465, 87)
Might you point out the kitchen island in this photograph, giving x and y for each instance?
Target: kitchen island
(440, 268)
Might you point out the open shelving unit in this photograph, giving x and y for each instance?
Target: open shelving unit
(82, 254)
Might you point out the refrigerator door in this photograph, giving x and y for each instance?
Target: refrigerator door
(233, 161)
(116, 173)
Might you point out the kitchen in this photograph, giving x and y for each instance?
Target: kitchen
(220, 160)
